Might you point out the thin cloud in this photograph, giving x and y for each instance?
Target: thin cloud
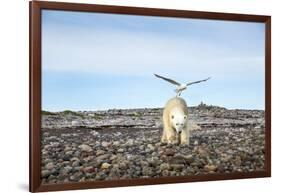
(125, 53)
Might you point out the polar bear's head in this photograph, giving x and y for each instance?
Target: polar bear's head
(178, 119)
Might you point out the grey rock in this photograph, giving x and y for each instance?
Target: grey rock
(105, 144)
(68, 168)
(94, 133)
(147, 171)
(86, 148)
(169, 152)
(210, 168)
(122, 166)
(76, 163)
(164, 166)
(100, 152)
(116, 143)
(45, 173)
(102, 157)
(121, 150)
(130, 142)
(88, 169)
(69, 153)
(154, 161)
(177, 166)
(150, 147)
(50, 166)
(100, 176)
(73, 159)
(165, 173)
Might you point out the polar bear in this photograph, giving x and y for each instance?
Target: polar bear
(175, 122)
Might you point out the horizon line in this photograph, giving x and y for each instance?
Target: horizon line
(107, 109)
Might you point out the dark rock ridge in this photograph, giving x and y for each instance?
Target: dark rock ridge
(203, 116)
(125, 144)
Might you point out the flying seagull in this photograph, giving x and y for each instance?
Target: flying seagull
(180, 87)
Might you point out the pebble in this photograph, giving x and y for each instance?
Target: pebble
(105, 144)
(116, 143)
(45, 173)
(154, 161)
(94, 133)
(164, 166)
(177, 166)
(113, 157)
(122, 165)
(103, 157)
(85, 148)
(67, 148)
(50, 166)
(165, 173)
(147, 171)
(105, 166)
(121, 150)
(100, 152)
(182, 159)
(76, 163)
(74, 159)
(210, 168)
(130, 142)
(68, 168)
(67, 157)
(202, 152)
(188, 158)
(68, 152)
(100, 176)
(150, 147)
(169, 152)
(88, 169)
(196, 142)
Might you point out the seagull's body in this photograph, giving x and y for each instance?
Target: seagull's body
(180, 87)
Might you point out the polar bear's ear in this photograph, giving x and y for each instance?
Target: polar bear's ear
(172, 117)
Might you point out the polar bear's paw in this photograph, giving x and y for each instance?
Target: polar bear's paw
(184, 143)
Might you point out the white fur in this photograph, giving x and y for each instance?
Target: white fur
(175, 121)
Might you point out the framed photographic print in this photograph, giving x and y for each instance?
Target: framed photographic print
(123, 96)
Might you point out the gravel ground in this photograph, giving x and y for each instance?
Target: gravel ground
(76, 154)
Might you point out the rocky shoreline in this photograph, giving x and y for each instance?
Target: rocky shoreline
(125, 144)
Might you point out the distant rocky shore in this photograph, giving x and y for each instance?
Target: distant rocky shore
(203, 115)
(124, 144)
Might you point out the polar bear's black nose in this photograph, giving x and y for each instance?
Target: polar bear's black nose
(179, 132)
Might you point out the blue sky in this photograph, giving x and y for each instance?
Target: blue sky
(93, 61)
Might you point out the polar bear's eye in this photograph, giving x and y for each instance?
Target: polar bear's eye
(172, 116)
(184, 117)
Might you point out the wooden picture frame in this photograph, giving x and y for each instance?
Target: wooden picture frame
(36, 7)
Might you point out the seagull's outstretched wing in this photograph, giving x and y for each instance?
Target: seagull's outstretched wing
(190, 83)
(167, 79)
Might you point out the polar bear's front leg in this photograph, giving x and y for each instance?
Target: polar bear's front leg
(171, 136)
(185, 137)
(164, 137)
